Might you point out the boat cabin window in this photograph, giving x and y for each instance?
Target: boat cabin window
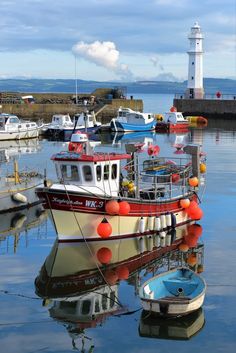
(99, 172)
(106, 172)
(86, 305)
(87, 173)
(104, 302)
(112, 299)
(70, 307)
(97, 306)
(13, 120)
(56, 119)
(114, 171)
(70, 172)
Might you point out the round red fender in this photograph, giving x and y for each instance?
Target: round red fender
(104, 255)
(75, 147)
(153, 150)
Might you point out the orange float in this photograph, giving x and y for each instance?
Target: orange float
(192, 206)
(184, 203)
(194, 230)
(104, 255)
(191, 240)
(183, 247)
(122, 272)
(111, 277)
(104, 229)
(192, 260)
(196, 214)
(112, 207)
(124, 208)
(175, 177)
(202, 168)
(193, 181)
(173, 109)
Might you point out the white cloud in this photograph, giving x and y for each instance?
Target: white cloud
(101, 53)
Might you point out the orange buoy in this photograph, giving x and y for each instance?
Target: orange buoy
(192, 206)
(104, 255)
(153, 150)
(195, 230)
(192, 260)
(104, 229)
(184, 203)
(122, 272)
(196, 214)
(112, 207)
(183, 247)
(173, 109)
(124, 208)
(111, 277)
(191, 240)
(175, 177)
(193, 181)
(202, 168)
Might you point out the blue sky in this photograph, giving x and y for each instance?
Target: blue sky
(114, 39)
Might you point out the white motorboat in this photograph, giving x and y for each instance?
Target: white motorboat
(62, 126)
(12, 128)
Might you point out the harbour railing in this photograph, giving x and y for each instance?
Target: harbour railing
(209, 96)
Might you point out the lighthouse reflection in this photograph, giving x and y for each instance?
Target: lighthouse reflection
(80, 283)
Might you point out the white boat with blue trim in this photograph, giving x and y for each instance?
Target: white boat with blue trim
(176, 292)
(129, 120)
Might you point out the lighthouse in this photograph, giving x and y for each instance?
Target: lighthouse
(195, 72)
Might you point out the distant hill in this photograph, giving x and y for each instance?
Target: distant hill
(211, 85)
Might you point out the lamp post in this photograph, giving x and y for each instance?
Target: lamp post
(76, 85)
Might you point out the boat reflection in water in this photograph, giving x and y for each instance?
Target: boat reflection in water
(13, 148)
(183, 328)
(80, 282)
(14, 224)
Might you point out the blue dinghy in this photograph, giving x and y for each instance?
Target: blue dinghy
(173, 293)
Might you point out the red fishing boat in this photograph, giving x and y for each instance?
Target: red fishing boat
(112, 195)
(172, 121)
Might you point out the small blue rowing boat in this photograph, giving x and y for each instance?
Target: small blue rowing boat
(173, 293)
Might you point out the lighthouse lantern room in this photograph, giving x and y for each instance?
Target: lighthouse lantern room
(195, 72)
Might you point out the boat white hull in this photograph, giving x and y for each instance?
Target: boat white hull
(76, 226)
(174, 309)
(18, 135)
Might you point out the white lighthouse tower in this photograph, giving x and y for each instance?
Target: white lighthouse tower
(195, 72)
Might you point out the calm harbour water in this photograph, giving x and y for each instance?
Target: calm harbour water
(29, 324)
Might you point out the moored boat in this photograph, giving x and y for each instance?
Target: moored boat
(12, 128)
(181, 328)
(172, 121)
(62, 126)
(173, 293)
(93, 200)
(17, 190)
(129, 120)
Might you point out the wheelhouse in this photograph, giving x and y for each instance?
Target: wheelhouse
(95, 173)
